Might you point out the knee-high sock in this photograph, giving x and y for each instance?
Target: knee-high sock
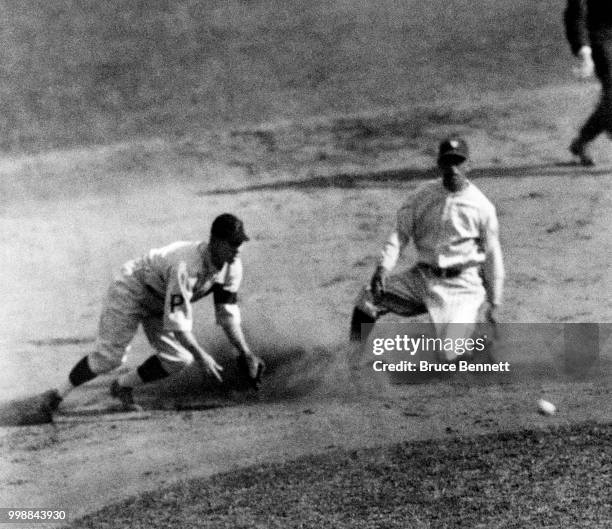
(80, 373)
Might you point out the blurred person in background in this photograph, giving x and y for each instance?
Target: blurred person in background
(588, 27)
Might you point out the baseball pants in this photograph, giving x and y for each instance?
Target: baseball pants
(453, 304)
(122, 312)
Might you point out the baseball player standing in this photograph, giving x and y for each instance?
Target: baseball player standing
(588, 27)
(455, 231)
(157, 292)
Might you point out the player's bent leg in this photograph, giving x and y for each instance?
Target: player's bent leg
(117, 326)
(125, 395)
(171, 358)
(122, 388)
(365, 312)
(85, 370)
(358, 319)
(121, 315)
(81, 372)
(364, 316)
(403, 295)
(400, 297)
(597, 122)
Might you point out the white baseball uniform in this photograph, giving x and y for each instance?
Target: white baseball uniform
(157, 291)
(453, 233)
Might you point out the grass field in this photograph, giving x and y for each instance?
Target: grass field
(496, 481)
(127, 125)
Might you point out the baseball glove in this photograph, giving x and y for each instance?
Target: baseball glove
(251, 369)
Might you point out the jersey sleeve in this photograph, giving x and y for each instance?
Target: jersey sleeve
(178, 311)
(225, 294)
(490, 229)
(494, 263)
(398, 238)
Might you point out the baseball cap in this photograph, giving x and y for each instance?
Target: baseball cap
(230, 228)
(453, 146)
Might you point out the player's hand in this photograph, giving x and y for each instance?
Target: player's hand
(378, 282)
(586, 66)
(210, 365)
(491, 317)
(252, 367)
(491, 314)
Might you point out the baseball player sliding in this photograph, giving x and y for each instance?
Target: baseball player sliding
(157, 291)
(455, 231)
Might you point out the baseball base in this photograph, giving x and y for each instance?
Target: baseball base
(108, 414)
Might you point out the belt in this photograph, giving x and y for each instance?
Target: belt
(444, 273)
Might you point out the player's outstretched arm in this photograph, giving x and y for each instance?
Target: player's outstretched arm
(207, 363)
(391, 252)
(494, 276)
(392, 249)
(234, 333)
(248, 363)
(494, 273)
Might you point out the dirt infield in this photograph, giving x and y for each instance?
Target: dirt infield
(296, 305)
(301, 278)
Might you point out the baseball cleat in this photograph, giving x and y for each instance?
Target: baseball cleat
(50, 403)
(578, 149)
(125, 395)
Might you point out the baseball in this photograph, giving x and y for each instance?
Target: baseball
(546, 408)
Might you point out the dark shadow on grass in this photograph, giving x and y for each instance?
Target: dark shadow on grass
(398, 177)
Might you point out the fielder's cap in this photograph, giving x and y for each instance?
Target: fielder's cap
(230, 228)
(455, 147)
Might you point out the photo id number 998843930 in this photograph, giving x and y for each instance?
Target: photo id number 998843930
(32, 515)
